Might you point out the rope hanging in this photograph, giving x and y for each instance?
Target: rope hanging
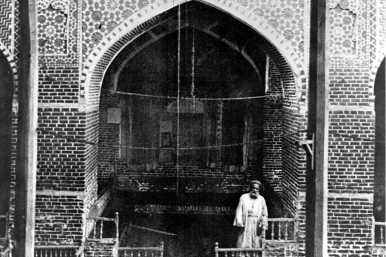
(79, 141)
(193, 51)
(183, 148)
(197, 98)
(178, 98)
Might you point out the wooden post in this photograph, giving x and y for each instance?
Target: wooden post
(6, 95)
(317, 172)
(26, 161)
(117, 228)
(219, 133)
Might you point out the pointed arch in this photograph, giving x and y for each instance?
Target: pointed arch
(100, 58)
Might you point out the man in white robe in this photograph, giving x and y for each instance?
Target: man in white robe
(252, 217)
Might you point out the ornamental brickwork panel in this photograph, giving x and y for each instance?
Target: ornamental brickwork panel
(344, 28)
(350, 30)
(7, 23)
(57, 32)
(53, 28)
(102, 16)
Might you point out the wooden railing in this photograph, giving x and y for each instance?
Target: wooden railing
(281, 230)
(6, 252)
(4, 236)
(98, 230)
(236, 252)
(379, 230)
(56, 251)
(141, 251)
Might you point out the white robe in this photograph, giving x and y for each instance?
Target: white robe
(250, 214)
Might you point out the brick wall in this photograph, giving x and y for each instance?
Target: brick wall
(349, 224)
(292, 158)
(350, 87)
(91, 154)
(351, 162)
(61, 160)
(58, 218)
(273, 114)
(351, 151)
(97, 249)
(284, 160)
(352, 132)
(60, 176)
(350, 166)
(109, 137)
(68, 152)
(58, 84)
(62, 185)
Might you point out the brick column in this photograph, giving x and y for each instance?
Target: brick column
(351, 163)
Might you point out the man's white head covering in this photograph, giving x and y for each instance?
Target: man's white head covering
(254, 182)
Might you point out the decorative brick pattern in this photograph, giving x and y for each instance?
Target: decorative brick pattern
(351, 39)
(379, 21)
(16, 47)
(101, 19)
(379, 32)
(13, 151)
(53, 27)
(12, 64)
(372, 33)
(7, 23)
(102, 55)
(58, 32)
(344, 27)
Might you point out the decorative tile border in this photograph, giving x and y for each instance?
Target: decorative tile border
(11, 62)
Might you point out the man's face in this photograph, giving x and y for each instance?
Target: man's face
(254, 190)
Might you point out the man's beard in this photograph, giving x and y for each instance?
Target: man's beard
(253, 195)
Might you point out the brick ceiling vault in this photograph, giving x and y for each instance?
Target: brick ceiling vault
(217, 28)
